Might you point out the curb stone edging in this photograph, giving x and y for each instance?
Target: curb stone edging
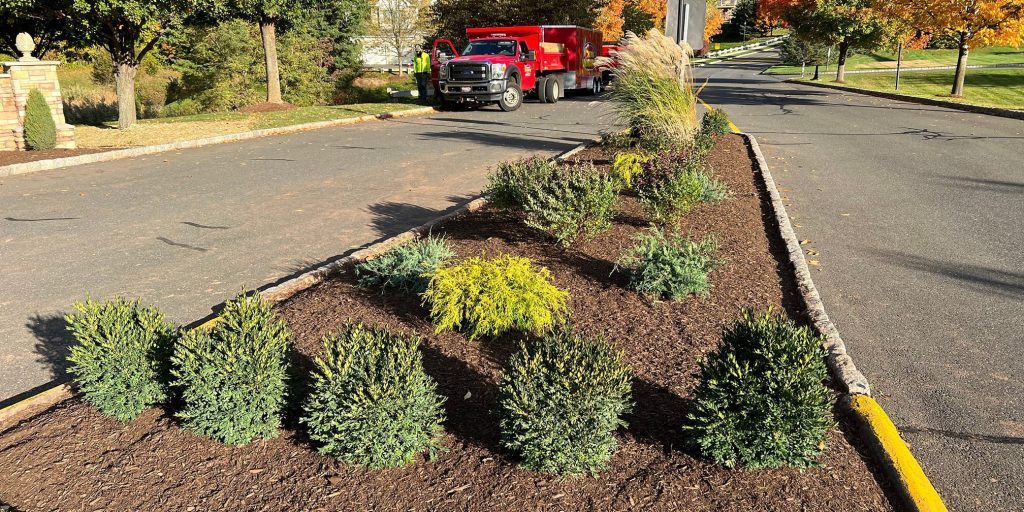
(40, 402)
(976, 109)
(838, 360)
(889, 450)
(119, 154)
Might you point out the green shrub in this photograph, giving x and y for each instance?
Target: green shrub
(512, 183)
(372, 403)
(495, 296)
(670, 267)
(672, 183)
(576, 202)
(761, 401)
(627, 165)
(669, 186)
(715, 122)
(560, 401)
(182, 107)
(40, 128)
(121, 355)
(406, 267)
(232, 377)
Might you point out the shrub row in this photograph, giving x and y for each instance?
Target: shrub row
(761, 401)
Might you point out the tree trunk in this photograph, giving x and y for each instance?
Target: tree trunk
(961, 67)
(269, 35)
(844, 48)
(816, 78)
(124, 77)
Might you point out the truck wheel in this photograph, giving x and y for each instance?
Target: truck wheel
(553, 89)
(512, 98)
(542, 89)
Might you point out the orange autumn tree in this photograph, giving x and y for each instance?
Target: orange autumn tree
(609, 20)
(974, 23)
(713, 21)
(770, 12)
(657, 9)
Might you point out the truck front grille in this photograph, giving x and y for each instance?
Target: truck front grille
(467, 72)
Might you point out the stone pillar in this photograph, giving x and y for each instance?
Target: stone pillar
(17, 81)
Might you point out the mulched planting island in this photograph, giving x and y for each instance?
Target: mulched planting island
(72, 457)
(20, 157)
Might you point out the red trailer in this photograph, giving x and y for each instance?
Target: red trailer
(501, 64)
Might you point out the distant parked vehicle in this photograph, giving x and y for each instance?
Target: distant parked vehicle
(502, 64)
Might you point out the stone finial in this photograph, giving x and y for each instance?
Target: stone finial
(25, 45)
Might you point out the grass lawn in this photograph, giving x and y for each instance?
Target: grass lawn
(918, 59)
(725, 42)
(172, 129)
(988, 87)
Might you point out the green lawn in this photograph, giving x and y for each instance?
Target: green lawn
(918, 59)
(724, 43)
(172, 129)
(988, 87)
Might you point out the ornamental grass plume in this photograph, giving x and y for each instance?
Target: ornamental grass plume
(653, 91)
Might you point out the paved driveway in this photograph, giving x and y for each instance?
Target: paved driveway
(915, 216)
(186, 230)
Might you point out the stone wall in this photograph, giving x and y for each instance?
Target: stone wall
(18, 79)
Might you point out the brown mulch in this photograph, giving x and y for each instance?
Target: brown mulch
(20, 157)
(74, 458)
(266, 107)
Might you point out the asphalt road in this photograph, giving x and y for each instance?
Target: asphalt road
(915, 217)
(187, 230)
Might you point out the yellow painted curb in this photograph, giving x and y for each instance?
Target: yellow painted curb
(905, 472)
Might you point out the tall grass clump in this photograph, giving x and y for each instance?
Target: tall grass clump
(407, 267)
(121, 355)
(761, 401)
(653, 91)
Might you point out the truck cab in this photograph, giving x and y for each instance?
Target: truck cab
(489, 70)
(501, 64)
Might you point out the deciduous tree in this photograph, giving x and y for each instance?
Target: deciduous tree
(267, 14)
(713, 21)
(128, 29)
(848, 24)
(46, 20)
(399, 25)
(610, 20)
(974, 23)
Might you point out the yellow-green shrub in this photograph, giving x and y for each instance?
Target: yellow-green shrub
(495, 296)
(626, 166)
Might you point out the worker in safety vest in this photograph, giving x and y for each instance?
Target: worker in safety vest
(421, 67)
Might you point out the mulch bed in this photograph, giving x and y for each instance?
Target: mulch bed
(20, 157)
(267, 107)
(73, 458)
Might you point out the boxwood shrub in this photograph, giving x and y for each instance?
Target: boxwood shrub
(669, 267)
(715, 122)
(761, 401)
(561, 399)
(372, 403)
(489, 297)
(232, 377)
(121, 355)
(577, 202)
(407, 267)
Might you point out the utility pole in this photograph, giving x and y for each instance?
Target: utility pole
(899, 64)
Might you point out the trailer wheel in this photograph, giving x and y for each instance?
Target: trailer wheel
(553, 89)
(542, 89)
(512, 98)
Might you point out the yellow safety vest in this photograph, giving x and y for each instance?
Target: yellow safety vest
(421, 64)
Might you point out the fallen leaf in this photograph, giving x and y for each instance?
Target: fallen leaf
(469, 394)
(804, 242)
(814, 263)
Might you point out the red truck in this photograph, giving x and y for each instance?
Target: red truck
(502, 64)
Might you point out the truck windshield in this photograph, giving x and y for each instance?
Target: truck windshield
(491, 47)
